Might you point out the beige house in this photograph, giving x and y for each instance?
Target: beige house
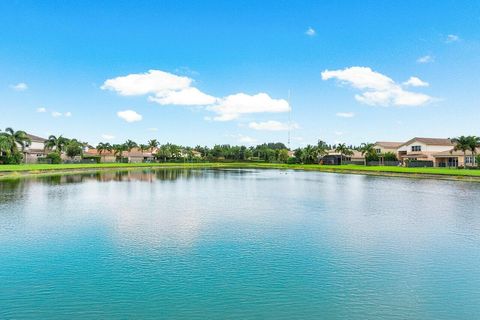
(35, 149)
(423, 148)
(453, 158)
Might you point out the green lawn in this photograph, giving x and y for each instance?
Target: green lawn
(40, 168)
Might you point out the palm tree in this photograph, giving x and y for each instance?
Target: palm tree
(152, 144)
(366, 149)
(119, 149)
(164, 152)
(343, 150)
(310, 154)
(462, 143)
(102, 147)
(14, 138)
(129, 145)
(144, 147)
(322, 148)
(57, 144)
(474, 143)
(5, 145)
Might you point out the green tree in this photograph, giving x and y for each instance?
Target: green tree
(102, 147)
(74, 148)
(129, 145)
(343, 150)
(367, 151)
(283, 155)
(57, 144)
(14, 139)
(118, 150)
(474, 143)
(152, 144)
(310, 154)
(462, 143)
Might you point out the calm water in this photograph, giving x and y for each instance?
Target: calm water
(239, 244)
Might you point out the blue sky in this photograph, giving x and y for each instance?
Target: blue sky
(347, 64)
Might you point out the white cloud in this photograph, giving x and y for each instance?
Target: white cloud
(231, 107)
(41, 110)
(56, 114)
(108, 136)
(67, 114)
(425, 59)
(129, 115)
(345, 114)
(310, 32)
(153, 81)
(186, 97)
(338, 133)
(169, 89)
(452, 38)
(416, 82)
(19, 86)
(377, 88)
(272, 125)
(152, 129)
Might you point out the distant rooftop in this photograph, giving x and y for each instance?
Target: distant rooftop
(35, 138)
(388, 144)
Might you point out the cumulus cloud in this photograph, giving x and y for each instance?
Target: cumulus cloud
(107, 136)
(41, 110)
(345, 114)
(310, 32)
(129, 115)
(425, 59)
(377, 88)
(19, 86)
(231, 107)
(186, 97)
(452, 38)
(416, 82)
(67, 114)
(169, 89)
(56, 114)
(153, 81)
(272, 125)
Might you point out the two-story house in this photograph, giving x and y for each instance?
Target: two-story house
(423, 148)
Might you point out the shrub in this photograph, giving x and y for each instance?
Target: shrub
(292, 160)
(15, 158)
(390, 156)
(54, 157)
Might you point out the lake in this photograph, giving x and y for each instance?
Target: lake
(238, 244)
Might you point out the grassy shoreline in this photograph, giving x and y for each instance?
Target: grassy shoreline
(18, 171)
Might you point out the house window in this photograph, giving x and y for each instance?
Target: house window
(468, 160)
(378, 151)
(416, 148)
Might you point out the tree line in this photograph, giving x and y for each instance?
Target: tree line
(13, 144)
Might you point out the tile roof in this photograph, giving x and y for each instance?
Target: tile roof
(431, 141)
(36, 138)
(451, 153)
(388, 144)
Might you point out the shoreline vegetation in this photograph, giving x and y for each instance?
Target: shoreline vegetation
(8, 172)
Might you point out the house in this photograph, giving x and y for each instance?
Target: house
(105, 156)
(382, 147)
(423, 149)
(453, 158)
(35, 149)
(136, 155)
(335, 158)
